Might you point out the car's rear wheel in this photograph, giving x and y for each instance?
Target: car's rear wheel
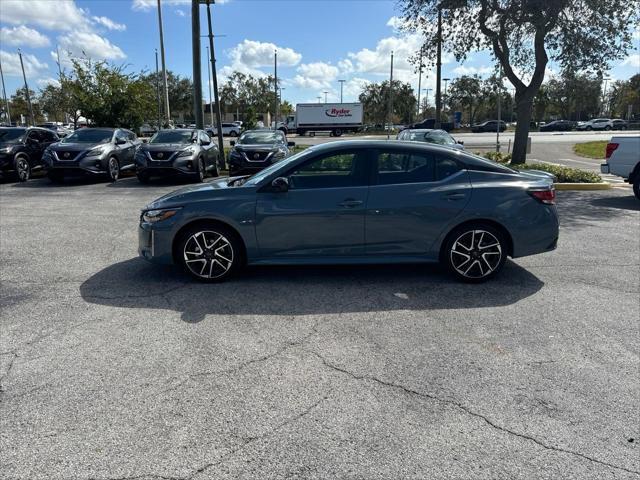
(475, 253)
(233, 133)
(607, 128)
(210, 253)
(22, 169)
(113, 169)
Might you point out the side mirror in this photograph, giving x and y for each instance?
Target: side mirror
(460, 142)
(205, 142)
(291, 144)
(120, 141)
(280, 184)
(232, 143)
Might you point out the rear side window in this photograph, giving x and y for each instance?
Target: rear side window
(396, 168)
(445, 167)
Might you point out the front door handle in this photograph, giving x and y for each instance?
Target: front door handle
(350, 203)
(455, 196)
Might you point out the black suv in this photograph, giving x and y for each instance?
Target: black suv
(257, 149)
(489, 126)
(557, 126)
(92, 151)
(21, 150)
(184, 151)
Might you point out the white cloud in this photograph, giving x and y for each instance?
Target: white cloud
(354, 87)
(346, 66)
(632, 61)
(11, 64)
(43, 82)
(464, 70)
(315, 75)
(63, 15)
(180, 13)
(110, 24)
(88, 44)
(22, 35)
(261, 54)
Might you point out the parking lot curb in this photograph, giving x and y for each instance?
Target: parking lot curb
(582, 186)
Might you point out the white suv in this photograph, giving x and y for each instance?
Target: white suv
(596, 124)
(623, 160)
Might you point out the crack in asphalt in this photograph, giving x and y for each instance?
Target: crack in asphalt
(468, 411)
(14, 355)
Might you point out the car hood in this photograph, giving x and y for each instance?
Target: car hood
(61, 147)
(259, 147)
(161, 147)
(191, 193)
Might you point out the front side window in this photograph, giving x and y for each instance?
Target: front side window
(11, 135)
(335, 170)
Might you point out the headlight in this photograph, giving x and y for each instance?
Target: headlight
(187, 153)
(6, 150)
(96, 152)
(155, 216)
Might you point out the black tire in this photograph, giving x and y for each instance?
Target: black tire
(217, 263)
(471, 241)
(113, 169)
(55, 177)
(22, 168)
(337, 132)
(589, 128)
(232, 133)
(607, 128)
(198, 177)
(143, 177)
(636, 188)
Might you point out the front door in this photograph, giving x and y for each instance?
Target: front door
(414, 196)
(322, 213)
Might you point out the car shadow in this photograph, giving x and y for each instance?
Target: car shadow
(304, 290)
(629, 202)
(578, 209)
(164, 181)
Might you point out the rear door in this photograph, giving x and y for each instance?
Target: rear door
(414, 196)
(322, 213)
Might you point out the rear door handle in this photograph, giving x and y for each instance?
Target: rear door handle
(455, 196)
(350, 203)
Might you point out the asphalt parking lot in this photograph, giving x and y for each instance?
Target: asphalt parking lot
(114, 368)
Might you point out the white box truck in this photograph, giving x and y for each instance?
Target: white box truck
(336, 118)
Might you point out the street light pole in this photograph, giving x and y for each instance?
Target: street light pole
(275, 90)
(325, 96)
(319, 98)
(419, 82)
(604, 95)
(197, 68)
(390, 98)
(4, 94)
(167, 113)
(444, 103)
(216, 98)
(341, 85)
(209, 83)
(499, 112)
(158, 93)
(26, 90)
(438, 68)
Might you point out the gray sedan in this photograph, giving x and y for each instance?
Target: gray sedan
(356, 202)
(437, 137)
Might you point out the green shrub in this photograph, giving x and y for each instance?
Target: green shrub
(563, 174)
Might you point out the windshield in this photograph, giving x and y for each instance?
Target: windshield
(262, 174)
(260, 137)
(11, 134)
(173, 136)
(430, 137)
(89, 135)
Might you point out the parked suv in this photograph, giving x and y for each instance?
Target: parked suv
(257, 149)
(619, 124)
(595, 124)
(557, 126)
(189, 152)
(228, 130)
(489, 126)
(92, 151)
(21, 150)
(437, 137)
(623, 159)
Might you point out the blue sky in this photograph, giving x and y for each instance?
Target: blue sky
(318, 42)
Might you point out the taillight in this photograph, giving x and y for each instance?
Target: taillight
(546, 196)
(610, 149)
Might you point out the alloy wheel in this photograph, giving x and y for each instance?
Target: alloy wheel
(208, 254)
(114, 169)
(476, 254)
(22, 169)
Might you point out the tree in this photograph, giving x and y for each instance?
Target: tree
(467, 94)
(375, 102)
(18, 106)
(625, 95)
(52, 103)
(574, 96)
(524, 35)
(241, 91)
(180, 94)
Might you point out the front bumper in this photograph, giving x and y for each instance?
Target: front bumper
(155, 244)
(90, 165)
(180, 165)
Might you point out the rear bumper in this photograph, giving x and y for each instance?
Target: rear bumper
(604, 168)
(538, 234)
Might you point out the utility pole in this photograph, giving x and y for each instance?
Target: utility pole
(390, 98)
(438, 69)
(197, 70)
(4, 94)
(209, 83)
(419, 82)
(319, 98)
(167, 112)
(26, 90)
(604, 96)
(499, 112)
(158, 93)
(341, 85)
(66, 119)
(275, 83)
(445, 100)
(216, 98)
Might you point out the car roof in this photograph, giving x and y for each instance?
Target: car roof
(425, 130)
(340, 144)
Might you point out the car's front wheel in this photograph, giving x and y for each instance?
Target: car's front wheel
(209, 252)
(22, 168)
(200, 171)
(113, 169)
(475, 253)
